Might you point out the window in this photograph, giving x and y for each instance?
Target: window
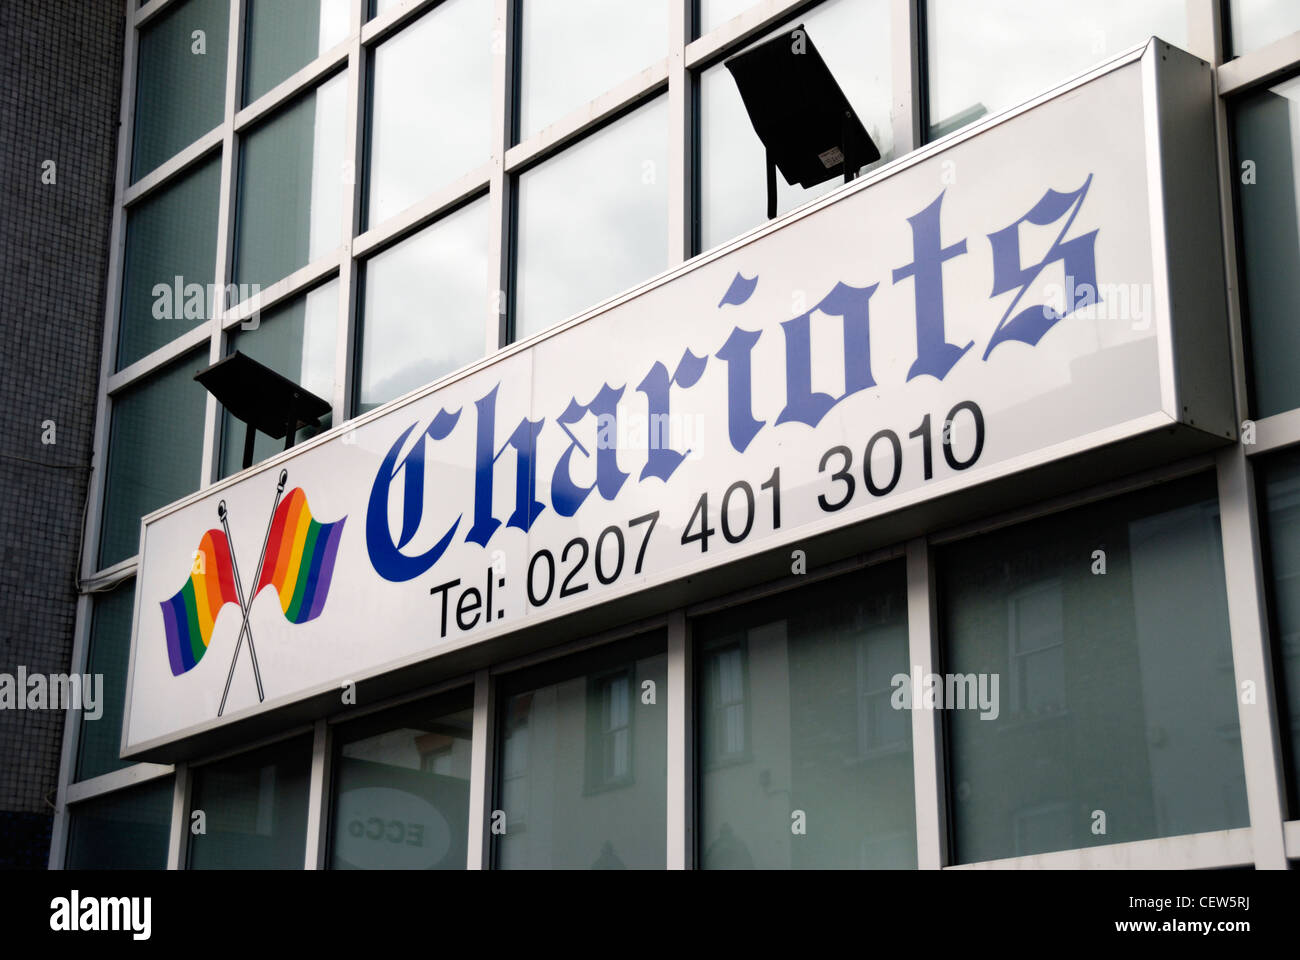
(853, 37)
(254, 809)
(180, 89)
(298, 341)
(818, 774)
(582, 761)
(593, 221)
(714, 13)
(425, 299)
(170, 263)
(123, 830)
(573, 51)
(155, 452)
(986, 55)
(286, 35)
(1266, 141)
(401, 787)
(1114, 688)
(1257, 23)
(110, 653)
(291, 187)
(430, 113)
(1279, 486)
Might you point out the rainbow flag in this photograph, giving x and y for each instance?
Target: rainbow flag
(188, 617)
(300, 558)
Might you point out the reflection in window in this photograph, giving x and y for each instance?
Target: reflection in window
(255, 809)
(286, 35)
(291, 186)
(1036, 625)
(155, 451)
(1279, 483)
(1140, 655)
(298, 341)
(171, 242)
(582, 761)
(181, 80)
(425, 299)
(593, 221)
(852, 36)
(429, 109)
(986, 55)
(575, 50)
(1266, 134)
(401, 787)
(122, 830)
(1257, 23)
(110, 654)
(817, 665)
(714, 13)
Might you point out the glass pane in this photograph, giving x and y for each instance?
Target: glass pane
(170, 265)
(593, 221)
(181, 80)
(1266, 135)
(1279, 481)
(155, 450)
(123, 830)
(572, 51)
(291, 187)
(804, 761)
(1101, 637)
(255, 808)
(426, 300)
(583, 761)
(401, 788)
(297, 341)
(1257, 23)
(110, 653)
(286, 35)
(853, 39)
(429, 109)
(987, 55)
(714, 13)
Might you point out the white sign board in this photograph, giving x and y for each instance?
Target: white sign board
(987, 305)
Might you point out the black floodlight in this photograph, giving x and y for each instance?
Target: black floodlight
(799, 112)
(263, 399)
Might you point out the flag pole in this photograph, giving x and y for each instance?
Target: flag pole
(266, 539)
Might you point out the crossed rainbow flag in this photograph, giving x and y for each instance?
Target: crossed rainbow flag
(297, 559)
(188, 617)
(300, 558)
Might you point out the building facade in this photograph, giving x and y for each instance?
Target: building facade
(371, 198)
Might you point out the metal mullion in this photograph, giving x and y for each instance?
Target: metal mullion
(431, 207)
(283, 290)
(928, 767)
(177, 836)
(681, 741)
(575, 125)
(906, 74)
(133, 776)
(88, 562)
(496, 332)
(1260, 67)
(353, 159)
(478, 850)
(318, 797)
(172, 169)
(1261, 745)
(1275, 433)
(386, 24)
(306, 78)
(164, 356)
(226, 213)
(739, 30)
(680, 128)
(1192, 851)
(147, 11)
